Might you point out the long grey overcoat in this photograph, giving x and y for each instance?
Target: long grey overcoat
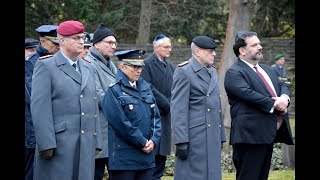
(64, 109)
(104, 77)
(197, 119)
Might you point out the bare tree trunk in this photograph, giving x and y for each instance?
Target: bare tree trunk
(239, 19)
(144, 27)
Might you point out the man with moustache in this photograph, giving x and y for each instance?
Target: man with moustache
(258, 106)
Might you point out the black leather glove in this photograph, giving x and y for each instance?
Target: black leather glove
(46, 154)
(182, 150)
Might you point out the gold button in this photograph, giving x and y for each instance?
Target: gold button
(95, 97)
(81, 96)
(220, 125)
(209, 125)
(208, 95)
(220, 110)
(94, 134)
(220, 95)
(82, 113)
(95, 116)
(209, 110)
(82, 131)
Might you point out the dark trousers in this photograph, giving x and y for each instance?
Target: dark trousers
(252, 161)
(160, 165)
(145, 174)
(28, 163)
(100, 165)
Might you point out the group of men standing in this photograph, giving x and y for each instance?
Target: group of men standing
(85, 115)
(66, 128)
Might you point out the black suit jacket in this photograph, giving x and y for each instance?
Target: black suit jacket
(250, 105)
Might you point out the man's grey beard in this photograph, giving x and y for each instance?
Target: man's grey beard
(259, 56)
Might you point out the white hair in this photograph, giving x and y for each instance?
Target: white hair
(160, 41)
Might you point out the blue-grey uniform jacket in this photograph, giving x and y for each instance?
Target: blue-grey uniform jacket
(133, 118)
(30, 141)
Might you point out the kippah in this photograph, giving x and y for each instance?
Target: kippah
(160, 36)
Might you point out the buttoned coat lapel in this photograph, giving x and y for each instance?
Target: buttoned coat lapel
(63, 64)
(157, 62)
(252, 73)
(199, 70)
(84, 72)
(213, 80)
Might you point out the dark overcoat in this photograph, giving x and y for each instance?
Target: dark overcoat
(160, 80)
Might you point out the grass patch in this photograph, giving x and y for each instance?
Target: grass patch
(274, 175)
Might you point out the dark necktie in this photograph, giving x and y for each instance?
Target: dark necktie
(279, 118)
(164, 64)
(74, 65)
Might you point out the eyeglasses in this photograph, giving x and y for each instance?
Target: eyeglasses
(110, 43)
(167, 47)
(136, 68)
(77, 38)
(244, 34)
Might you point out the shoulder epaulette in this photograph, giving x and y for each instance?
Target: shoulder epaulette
(45, 57)
(87, 60)
(183, 63)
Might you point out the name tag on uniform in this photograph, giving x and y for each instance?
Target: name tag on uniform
(130, 107)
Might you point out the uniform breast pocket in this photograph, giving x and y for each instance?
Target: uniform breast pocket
(130, 106)
(150, 100)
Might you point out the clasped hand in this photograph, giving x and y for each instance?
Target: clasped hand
(281, 104)
(148, 147)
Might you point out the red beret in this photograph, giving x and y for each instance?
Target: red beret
(68, 28)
